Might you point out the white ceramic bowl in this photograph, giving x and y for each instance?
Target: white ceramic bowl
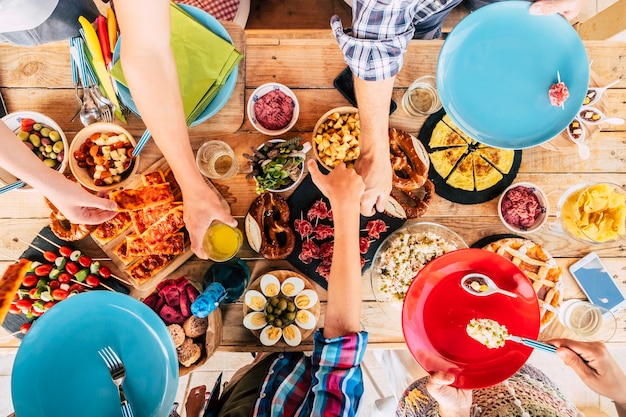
(541, 218)
(341, 110)
(82, 175)
(260, 92)
(301, 166)
(13, 121)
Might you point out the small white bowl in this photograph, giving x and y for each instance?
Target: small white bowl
(541, 218)
(14, 122)
(82, 175)
(260, 92)
(305, 149)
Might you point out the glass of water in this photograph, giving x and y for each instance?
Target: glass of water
(421, 98)
(589, 321)
(216, 160)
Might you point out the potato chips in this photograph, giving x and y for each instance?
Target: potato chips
(596, 213)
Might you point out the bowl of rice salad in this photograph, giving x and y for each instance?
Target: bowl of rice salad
(404, 253)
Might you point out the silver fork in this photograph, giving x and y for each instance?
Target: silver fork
(118, 373)
(105, 105)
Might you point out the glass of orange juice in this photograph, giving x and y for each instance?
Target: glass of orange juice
(222, 242)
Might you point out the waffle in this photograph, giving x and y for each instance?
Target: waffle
(540, 267)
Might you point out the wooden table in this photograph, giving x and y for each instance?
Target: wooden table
(38, 79)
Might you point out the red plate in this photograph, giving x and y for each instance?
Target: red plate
(437, 310)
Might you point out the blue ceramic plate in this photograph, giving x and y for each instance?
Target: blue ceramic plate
(58, 371)
(495, 69)
(229, 85)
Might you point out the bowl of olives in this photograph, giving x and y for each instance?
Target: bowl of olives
(42, 136)
(280, 311)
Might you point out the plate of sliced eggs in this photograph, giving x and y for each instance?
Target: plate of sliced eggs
(281, 307)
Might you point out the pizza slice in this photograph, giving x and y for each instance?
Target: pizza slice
(445, 160)
(10, 283)
(502, 159)
(462, 177)
(142, 197)
(147, 267)
(112, 228)
(167, 225)
(121, 251)
(443, 137)
(485, 174)
(466, 138)
(169, 177)
(153, 178)
(143, 219)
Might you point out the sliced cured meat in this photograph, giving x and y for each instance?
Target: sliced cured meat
(375, 228)
(318, 210)
(558, 94)
(303, 227)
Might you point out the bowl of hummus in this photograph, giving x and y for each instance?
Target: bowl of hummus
(523, 207)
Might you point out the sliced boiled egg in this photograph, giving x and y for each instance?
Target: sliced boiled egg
(270, 335)
(255, 320)
(292, 335)
(292, 286)
(305, 319)
(270, 285)
(306, 299)
(255, 300)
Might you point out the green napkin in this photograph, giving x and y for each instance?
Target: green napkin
(203, 61)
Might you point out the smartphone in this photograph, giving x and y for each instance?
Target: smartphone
(345, 84)
(3, 107)
(597, 284)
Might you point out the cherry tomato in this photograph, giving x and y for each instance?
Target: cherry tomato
(36, 313)
(24, 304)
(43, 270)
(24, 328)
(64, 278)
(92, 280)
(59, 294)
(34, 293)
(14, 309)
(65, 251)
(84, 261)
(104, 271)
(30, 281)
(49, 305)
(50, 256)
(54, 284)
(72, 267)
(76, 288)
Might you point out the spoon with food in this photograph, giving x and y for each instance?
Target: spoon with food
(594, 116)
(481, 285)
(493, 335)
(578, 134)
(594, 93)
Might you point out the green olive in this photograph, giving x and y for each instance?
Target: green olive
(57, 147)
(291, 307)
(50, 162)
(23, 135)
(45, 131)
(48, 148)
(55, 136)
(270, 318)
(274, 301)
(282, 304)
(269, 309)
(35, 140)
(37, 126)
(278, 311)
(290, 316)
(278, 323)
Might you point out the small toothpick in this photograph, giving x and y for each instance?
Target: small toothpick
(17, 239)
(58, 246)
(558, 78)
(7, 337)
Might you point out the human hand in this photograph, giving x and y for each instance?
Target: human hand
(201, 208)
(452, 401)
(569, 9)
(195, 401)
(79, 206)
(595, 366)
(376, 173)
(341, 185)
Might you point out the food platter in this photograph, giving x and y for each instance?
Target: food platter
(437, 310)
(283, 275)
(136, 334)
(496, 66)
(457, 195)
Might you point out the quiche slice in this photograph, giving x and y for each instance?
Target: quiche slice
(445, 160)
(443, 137)
(466, 138)
(462, 177)
(502, 159)
(485, 174)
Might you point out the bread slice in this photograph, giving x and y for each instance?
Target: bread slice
(189, 352)
(177, 333)
(194, 326)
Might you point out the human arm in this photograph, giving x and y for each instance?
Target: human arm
(150, 70)
(77, 204)
(595, 366)
(567, 8)
(453, 402)
(195, 401)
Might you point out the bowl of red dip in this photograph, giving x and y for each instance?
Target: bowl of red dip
(523, 207)
(273, 109)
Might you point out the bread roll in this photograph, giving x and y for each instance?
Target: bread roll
(177, 333)
(189, 352)
(194, 326)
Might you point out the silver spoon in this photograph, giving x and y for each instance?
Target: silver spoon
(475, 280)
(577, 134)
(89, 112)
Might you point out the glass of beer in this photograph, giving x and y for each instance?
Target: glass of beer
(216, 160)
(421, 98)
(222, 242)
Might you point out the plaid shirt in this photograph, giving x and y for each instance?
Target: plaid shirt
(381, 31)
(328, 383)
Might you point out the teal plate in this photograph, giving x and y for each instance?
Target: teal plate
(496, 67)
(221, 98)
(58, 371)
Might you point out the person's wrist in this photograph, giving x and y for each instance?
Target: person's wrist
(457, 412)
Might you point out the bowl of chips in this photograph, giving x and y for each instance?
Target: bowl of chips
(336, 137)
(593, 212)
